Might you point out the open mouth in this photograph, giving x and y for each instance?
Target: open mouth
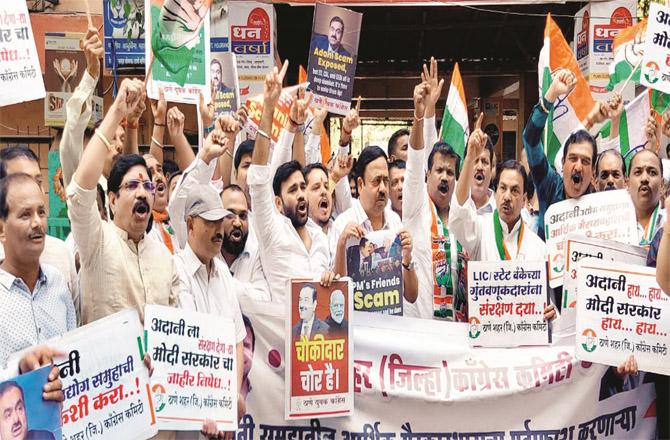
(323, 203)
(506, 208)
(443, 187)
(644, 189)
(479, 177)
(302, 208)
(38, 236)
(576, 178)
(236, 234)
(141, 209)
(160, 187)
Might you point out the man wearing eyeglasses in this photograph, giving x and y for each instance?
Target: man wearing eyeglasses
(120, 268)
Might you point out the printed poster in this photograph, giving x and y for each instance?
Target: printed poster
(253, 33)
(219, 28)
(224, 83)
(506, 302)
(420, 379)
(124, 33)
(621, 311)
(280, 116)
(655, 69)
(318, 373)
(578, 247)
(105, 381)
(65, 64)
(25, 415)
(20, 74)
(609, 218)
(177, 47)
(195, 368)
(374, 264)
(333, 53)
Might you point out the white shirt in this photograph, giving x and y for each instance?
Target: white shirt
(248, 270)
(489, 206)
(660, 221)
(284, 256)
(417, 219)
(116, 273)
(214, 293)
(477, 235)
(358, 215)
(57, 254)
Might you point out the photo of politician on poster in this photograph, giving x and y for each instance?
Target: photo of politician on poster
(374, 263)
(25, 415)
(319, 344)
(223, 81)
(332, 56)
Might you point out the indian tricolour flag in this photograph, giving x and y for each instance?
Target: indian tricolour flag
(455, 128)
(568, 110)
(628, 51)
(633, 121)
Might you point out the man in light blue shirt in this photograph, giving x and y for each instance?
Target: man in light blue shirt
(36, 302)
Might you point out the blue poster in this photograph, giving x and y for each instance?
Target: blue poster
(124, 33)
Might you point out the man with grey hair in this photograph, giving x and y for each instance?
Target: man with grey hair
(337, 325)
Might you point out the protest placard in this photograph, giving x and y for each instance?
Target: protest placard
(195, 368)
(65, 64)
(25, 415)
(20, 74)
(177, 50)
(578, 247)
(318, 375)
(280, 116)
(224, 85)
(610, 218)
(374, 264)
(105, 382)
(506, 302)
(622, 311)
(124, 33)
(253, 34)
(333, 53)
(655, 71)
(219, 28)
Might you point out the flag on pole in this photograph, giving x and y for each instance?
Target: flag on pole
(568, 110)
(324, 140)
(628, 49)
(455, 128)
(633, 121)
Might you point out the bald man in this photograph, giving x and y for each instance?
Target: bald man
(336, 322)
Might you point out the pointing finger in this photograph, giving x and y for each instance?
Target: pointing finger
(284, 68)
(480, 119)
(358, 104)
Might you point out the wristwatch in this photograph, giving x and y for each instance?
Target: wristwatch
(408, 267)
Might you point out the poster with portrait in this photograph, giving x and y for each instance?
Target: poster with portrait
(374, 264)
(20, 76)
(25, 415)
(333, 52)
(177, 49)
(124, 33)
(224, 83)
(318, 376)
(195, 368)
(65, 64)
(253, 34)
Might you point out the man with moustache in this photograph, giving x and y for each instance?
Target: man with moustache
(308, 325)
(610, 171)
(292, 245)
(333, 41)
(14, 420)
(161, 230)
(240, 246)
(427, 192)
(337, 325)
(645, 181)
(205, 284)
(371, 213)
(579, 153)
(396, 180)
(120, 268)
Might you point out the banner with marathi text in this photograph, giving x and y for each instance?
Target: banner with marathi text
(413, 377)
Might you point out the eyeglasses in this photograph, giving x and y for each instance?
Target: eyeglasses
(132, 185)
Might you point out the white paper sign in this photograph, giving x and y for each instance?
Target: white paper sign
(20, 74)
(611, 217)
(195, 368)
(655, 71)
(622, 311)
(579, 247)
(506, 302)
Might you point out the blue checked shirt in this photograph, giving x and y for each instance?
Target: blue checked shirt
(28, 319)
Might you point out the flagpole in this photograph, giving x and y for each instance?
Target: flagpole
(637, 66)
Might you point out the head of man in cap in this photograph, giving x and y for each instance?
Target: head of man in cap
(204, 222)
